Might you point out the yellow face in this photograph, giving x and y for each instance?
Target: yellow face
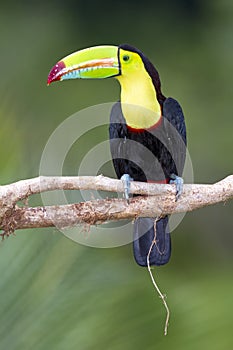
(130, 63)
(140, 106)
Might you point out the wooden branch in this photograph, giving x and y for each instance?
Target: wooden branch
(156, 200)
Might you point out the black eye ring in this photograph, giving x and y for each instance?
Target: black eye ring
(125, 58)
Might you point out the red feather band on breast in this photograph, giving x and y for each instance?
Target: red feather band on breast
(156, 125)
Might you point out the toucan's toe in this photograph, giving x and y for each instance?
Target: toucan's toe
(126, 179)
(178, 181)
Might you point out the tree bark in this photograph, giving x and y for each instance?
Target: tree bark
(155, 200)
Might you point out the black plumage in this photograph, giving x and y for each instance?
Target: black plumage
(150, 155)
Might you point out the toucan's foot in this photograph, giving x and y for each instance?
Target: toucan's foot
(126, 179)
(178, 181)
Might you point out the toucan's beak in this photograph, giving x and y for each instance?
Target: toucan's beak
(94, 62)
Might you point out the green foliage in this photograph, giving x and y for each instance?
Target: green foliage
(56, 294)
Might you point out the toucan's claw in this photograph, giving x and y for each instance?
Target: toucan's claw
(126, 179)
(178, 181)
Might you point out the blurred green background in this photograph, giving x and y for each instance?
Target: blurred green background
(57, 294)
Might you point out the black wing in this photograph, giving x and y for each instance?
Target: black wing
(172, 111)
(175, 129)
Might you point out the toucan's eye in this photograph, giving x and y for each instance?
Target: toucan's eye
(125, 58)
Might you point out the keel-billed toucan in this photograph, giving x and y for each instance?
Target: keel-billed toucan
(147, 131)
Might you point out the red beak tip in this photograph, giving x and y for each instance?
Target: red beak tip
(55, 73)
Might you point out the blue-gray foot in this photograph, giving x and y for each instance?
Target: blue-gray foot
(126, 179)
(178, 181)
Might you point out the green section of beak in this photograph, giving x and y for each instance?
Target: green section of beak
(92, 63)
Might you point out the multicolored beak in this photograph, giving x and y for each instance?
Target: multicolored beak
(96, 62)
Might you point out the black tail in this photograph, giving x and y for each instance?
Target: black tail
(161, 251)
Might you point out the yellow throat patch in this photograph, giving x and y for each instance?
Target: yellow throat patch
(140, 106)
